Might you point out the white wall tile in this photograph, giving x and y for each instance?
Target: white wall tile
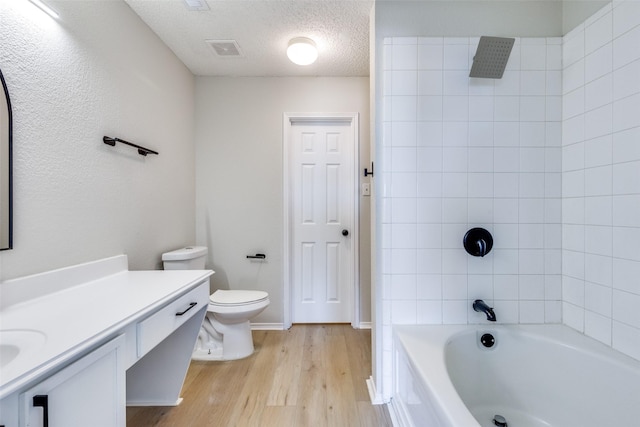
(626, 48)
(599, 63)
(598, 122)
(625, 274)
(598, 327)
(598, 33)
(598, 269)
(532, 134)
(430, 82)
(625, 113)
(626, 178)
(430, 57)
(429, 159)
(403, 108)
(598, 181)
(626, 80)
(481, 133)
(506, 185)
(573, 49)
(455, 134)
(533, 57)
(429, 236)
(454, 159)
(506, 134)
(506, 108)
(429, 210)
(429, 312)
(428, 108)
(403, 134)
(531, 311)
(429, 133)
(532, 108)
(455, 82)
(481, 108)
(455, 108)
(509, 84)
(404, 57)
(625, 17)
(626, 339)
(599, 92)
(454, 311)
(625, 308)
(456, 57)
(404, 82)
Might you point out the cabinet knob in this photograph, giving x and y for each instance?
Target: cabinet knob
(345, 232)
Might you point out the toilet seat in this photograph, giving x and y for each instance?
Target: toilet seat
(235, 298)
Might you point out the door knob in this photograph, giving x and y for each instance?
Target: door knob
(345, 232)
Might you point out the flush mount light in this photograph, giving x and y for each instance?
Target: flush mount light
(196, 5)
(302, 51)
(45, 8)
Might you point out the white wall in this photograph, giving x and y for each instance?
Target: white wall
(240, 174)
(601, 177)
(96, 71)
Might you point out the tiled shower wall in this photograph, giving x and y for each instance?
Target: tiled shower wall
(601, 177)
(462, 152)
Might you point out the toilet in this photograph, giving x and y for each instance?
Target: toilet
(225, 333)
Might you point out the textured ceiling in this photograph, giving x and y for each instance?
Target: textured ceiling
(262, 29)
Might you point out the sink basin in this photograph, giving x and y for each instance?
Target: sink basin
(17, 342)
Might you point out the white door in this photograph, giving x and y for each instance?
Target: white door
(322, 224)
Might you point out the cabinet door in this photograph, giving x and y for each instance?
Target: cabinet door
(89, 392)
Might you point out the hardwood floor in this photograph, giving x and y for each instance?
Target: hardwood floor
(310, 375)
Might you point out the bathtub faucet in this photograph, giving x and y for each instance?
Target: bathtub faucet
(479, 305)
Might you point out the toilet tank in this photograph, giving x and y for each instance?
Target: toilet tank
(189, 258)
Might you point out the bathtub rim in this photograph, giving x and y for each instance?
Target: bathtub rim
(435, 376)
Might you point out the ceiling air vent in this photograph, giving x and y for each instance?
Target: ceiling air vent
(225, 48)
(197, 5)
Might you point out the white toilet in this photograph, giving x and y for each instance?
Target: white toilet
(226, 332)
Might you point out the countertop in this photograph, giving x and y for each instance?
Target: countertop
(85, 315)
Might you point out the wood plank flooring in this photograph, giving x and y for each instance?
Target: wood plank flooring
(310, 375)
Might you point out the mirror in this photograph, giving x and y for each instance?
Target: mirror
(6, 202)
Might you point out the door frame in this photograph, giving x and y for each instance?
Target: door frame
(354, 292)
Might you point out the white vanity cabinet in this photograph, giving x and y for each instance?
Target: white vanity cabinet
(88, 392)
(113, 338)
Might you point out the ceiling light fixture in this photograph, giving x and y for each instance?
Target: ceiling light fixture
(45, 8)
(196, 5)
(302, 51)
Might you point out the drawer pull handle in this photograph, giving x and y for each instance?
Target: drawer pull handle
(191, 305)
(42, 400)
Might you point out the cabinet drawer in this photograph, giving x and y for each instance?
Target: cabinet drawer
(155, 328)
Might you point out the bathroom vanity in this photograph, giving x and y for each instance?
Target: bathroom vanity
(79, 344)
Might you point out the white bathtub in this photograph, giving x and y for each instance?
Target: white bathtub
(533, 376)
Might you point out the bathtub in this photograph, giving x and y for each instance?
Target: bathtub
(532, 375)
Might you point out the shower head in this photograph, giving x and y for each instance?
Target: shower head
(491, 57)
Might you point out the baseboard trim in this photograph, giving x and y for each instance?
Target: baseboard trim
(398, 415)
(376, 398)
(365, 325)
(267, 326)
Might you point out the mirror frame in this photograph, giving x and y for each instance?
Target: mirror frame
(8, 198)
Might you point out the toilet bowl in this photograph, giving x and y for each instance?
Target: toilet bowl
(226, 330)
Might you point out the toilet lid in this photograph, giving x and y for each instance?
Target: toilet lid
(237, 297)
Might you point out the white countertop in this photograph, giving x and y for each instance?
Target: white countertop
(77, 318)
